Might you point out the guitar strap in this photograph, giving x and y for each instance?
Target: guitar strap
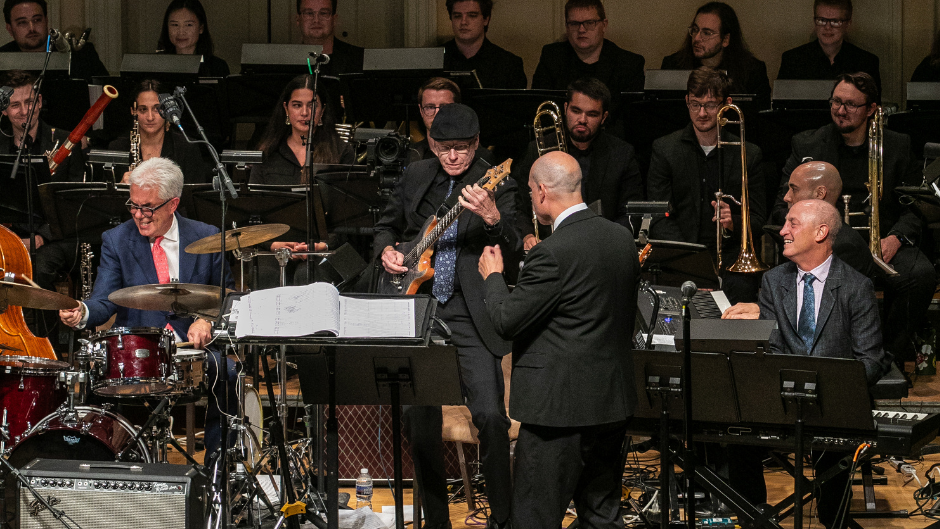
(473, 175)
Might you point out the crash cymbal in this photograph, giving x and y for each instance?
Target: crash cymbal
(31, 297)
(176, 297)
(238, 238)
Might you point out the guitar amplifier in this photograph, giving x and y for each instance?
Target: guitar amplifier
(105, 494)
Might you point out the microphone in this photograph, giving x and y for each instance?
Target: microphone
(5, 93)
(688, 289)
(170, 110)
(321, 58)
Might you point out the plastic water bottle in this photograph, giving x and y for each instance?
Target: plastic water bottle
(364, 489)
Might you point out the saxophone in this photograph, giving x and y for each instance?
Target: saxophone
(87, 277)
(135, 142)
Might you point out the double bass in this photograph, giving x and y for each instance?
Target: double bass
(14, 259)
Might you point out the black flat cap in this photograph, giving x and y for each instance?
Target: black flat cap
(455, 122)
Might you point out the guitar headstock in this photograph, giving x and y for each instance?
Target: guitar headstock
(496, 175)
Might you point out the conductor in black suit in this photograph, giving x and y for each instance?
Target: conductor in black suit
(611, 172)
(458, 288)
(570, 318)
(822, 307)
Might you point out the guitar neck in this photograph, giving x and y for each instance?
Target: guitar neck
(432, 236)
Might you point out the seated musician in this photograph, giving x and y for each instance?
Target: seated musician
(715, 40)
(28, 24)
(684, 171)
(459, 289)
(158, 139)
(611, 173)
(432, 95)
(185, 31)
(470, 50)
(148, 249)
(823, 307)
(317, 22)
(586, 53)
(829, 55)
(844, 144)
(928, 71)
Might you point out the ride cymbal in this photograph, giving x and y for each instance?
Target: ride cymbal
(238, 238)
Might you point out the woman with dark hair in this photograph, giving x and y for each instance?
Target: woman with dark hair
(156, 139)
(283, 144)
(928, 71)
(186, 32)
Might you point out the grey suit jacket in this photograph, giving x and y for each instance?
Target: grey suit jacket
(848, 325)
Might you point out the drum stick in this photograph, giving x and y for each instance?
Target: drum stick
(184, 344)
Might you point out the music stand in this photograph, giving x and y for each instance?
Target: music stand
(925, 202)
(352, 200)
(288, 59)
(14, 205)
(255, 205)
(671, 263)
(712, 384)
(84, 210)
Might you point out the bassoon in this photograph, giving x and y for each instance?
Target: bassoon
(78, 133)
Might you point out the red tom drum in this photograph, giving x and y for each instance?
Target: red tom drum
(132, 362)
(29, 391)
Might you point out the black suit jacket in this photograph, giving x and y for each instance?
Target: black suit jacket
(810, 62)
(619, 69)
(749, 77)
(823, 144)
(571, 318)
(614, 179)
(674, 176)
(346, 58)
(495, 66)
(401, 222)
(848, 325)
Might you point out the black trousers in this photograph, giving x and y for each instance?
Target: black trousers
(907, 298)
(481, 377)
(557, 464)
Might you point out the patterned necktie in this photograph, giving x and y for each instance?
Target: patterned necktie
(446, 260)
(806, 326)
(160, 262)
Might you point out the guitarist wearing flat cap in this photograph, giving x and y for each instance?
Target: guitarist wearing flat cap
(456, 180)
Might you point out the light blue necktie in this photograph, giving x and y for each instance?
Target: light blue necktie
(446, 260)
(806, 327)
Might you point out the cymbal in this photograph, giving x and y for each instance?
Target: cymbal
(181, 298)
(31, 297)
(238, 238)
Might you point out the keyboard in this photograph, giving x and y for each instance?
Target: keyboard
(705, 305)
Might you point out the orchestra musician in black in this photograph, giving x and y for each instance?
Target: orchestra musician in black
(470, 50)
(317, 22)
(185, 31)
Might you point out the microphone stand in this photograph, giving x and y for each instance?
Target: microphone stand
(308, 164)
(687, 402)
(37, 86)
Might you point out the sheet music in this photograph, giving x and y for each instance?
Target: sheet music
(721, 300)
(291, 311)
(376, 318)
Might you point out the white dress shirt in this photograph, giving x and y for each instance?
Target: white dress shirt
(567, 213)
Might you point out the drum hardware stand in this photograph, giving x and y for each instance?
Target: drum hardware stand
(8, 468)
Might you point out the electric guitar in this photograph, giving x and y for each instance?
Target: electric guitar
(418, 252)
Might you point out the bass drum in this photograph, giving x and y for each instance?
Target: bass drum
(87, 432)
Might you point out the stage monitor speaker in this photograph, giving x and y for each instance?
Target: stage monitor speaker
(106, 494)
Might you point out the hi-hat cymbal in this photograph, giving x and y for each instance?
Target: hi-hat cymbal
(181, 298)
(238, 238)
(31, 297)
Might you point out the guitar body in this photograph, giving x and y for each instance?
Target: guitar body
(419, 269)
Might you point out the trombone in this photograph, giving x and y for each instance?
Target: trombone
(544, 133)
(748, 262)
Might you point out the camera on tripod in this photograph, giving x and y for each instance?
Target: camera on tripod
(386, 153)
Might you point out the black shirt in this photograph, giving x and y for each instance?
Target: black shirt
(212, 66)
(345, 58)
(750, 77)
(708, 172)
(809, 61)
(176, 148)
(282, 167)
(85, 62)
(494, 66)
(619, 69)
(926, 72)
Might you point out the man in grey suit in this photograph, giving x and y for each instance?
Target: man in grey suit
(823, 307)
(570, 318)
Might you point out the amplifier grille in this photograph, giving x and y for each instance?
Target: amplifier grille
(92, 509)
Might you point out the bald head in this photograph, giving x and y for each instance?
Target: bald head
(814, 180)
(555, 184)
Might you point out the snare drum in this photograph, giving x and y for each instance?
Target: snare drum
(132, 362)
(29, 391)
(89, 433)
(189, 371)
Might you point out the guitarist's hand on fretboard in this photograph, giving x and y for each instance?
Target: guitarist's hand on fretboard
(480, 202)
(392, 261)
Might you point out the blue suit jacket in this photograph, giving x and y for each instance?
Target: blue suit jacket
(126, 261)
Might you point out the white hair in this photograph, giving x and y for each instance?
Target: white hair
(161, 174)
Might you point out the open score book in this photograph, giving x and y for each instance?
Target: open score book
(319, 309)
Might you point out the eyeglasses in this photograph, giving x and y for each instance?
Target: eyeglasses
(460, 149)
(706, 33)
(146, 211)
(430, 110)
(832, 22)
(849, 107)
(323, 13)
(589, 25)
(695, 106)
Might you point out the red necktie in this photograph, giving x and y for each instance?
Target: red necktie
(160, 262)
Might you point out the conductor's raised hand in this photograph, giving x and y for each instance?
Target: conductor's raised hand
(491, 261)
(480, 202)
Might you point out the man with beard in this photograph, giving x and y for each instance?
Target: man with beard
(844, 144)
(611, 172)
(715, 40)
(470, 50)
(829, 55)
(684, 170)
(317, 22)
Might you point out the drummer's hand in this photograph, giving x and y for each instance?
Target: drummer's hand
(392, 260)
(71, 317)
(200, 333)
(293, 246)
(742, 311)
(124, 179)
